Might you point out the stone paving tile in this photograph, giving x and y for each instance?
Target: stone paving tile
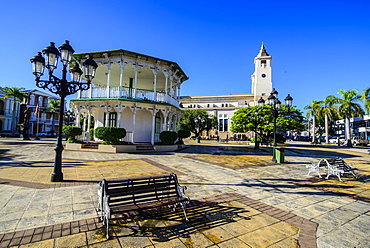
(215, 180)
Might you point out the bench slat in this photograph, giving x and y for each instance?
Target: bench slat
(140, 193)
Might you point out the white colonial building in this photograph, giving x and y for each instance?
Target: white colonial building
(224, 106)
(6, 111)
(134, 91)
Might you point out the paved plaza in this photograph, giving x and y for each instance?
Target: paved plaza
(239, 198)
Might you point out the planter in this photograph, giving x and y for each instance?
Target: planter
(117, 148)
(165, 148)
(74, 146)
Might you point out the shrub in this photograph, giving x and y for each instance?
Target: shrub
(110, 135)
(168, 137)
(72, 132)
(182, 134)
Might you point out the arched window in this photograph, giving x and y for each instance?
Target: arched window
(32, 100)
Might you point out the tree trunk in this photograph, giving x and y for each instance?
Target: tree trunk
(326, 129)
(313, 128)
(348, 132)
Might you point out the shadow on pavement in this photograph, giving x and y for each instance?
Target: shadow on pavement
(164, 225)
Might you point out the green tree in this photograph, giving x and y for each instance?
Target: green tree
(366, 98)
(261, 121)
(197, 121)
(348, 108)
(54, 106)
(313, 110)
(17, 94)
(330, 112)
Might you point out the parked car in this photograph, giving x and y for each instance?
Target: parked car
(356, 141)
(46, 134)
(8, 133)
(334, 140)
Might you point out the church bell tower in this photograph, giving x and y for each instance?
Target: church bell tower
(262, 77)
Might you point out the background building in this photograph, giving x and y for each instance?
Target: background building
(6, 110)
(224, 106)
(41, 120)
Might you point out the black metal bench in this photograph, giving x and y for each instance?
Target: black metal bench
(138, 194)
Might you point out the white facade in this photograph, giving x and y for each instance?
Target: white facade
(224, 106)
(134, 91)
(6, 111)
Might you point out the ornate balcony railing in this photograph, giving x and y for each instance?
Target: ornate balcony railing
(128, 93)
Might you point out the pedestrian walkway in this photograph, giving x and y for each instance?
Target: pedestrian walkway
(275, 205)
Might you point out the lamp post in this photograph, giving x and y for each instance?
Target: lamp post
(275, 103)
(49, 59)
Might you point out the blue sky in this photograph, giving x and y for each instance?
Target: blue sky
(318, 47)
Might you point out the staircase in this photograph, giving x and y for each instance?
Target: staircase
(90, 146)
(144, 147)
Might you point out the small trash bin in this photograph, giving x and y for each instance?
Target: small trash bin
(279, 154)
(197, 140)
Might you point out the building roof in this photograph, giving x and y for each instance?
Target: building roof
(133, 55)
(217, 98)
(41, 93)
(263, 51)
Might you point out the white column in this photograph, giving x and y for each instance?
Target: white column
(77, 120)
(166, 84)
(119, 118)
(165, 124)
(121, 80)
(133, 124)
(108, 80)
(171, 78)
(88, 125)
(153, 126)
(106, 118)
(155, 84)
(136, 68)
(178, 92)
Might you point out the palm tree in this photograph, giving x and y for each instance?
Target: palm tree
(330, 112)
(313, 110)
(17, 94)
(348, 108)
(366, 98)
(54, 106)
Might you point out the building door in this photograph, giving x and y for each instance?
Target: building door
(157, 130)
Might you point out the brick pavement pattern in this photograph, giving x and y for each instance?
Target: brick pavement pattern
(36, 213)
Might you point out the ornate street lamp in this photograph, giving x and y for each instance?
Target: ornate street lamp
(275, 103)
(49, 59)
(69, 118)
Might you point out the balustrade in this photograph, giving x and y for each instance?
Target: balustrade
(127, 93)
